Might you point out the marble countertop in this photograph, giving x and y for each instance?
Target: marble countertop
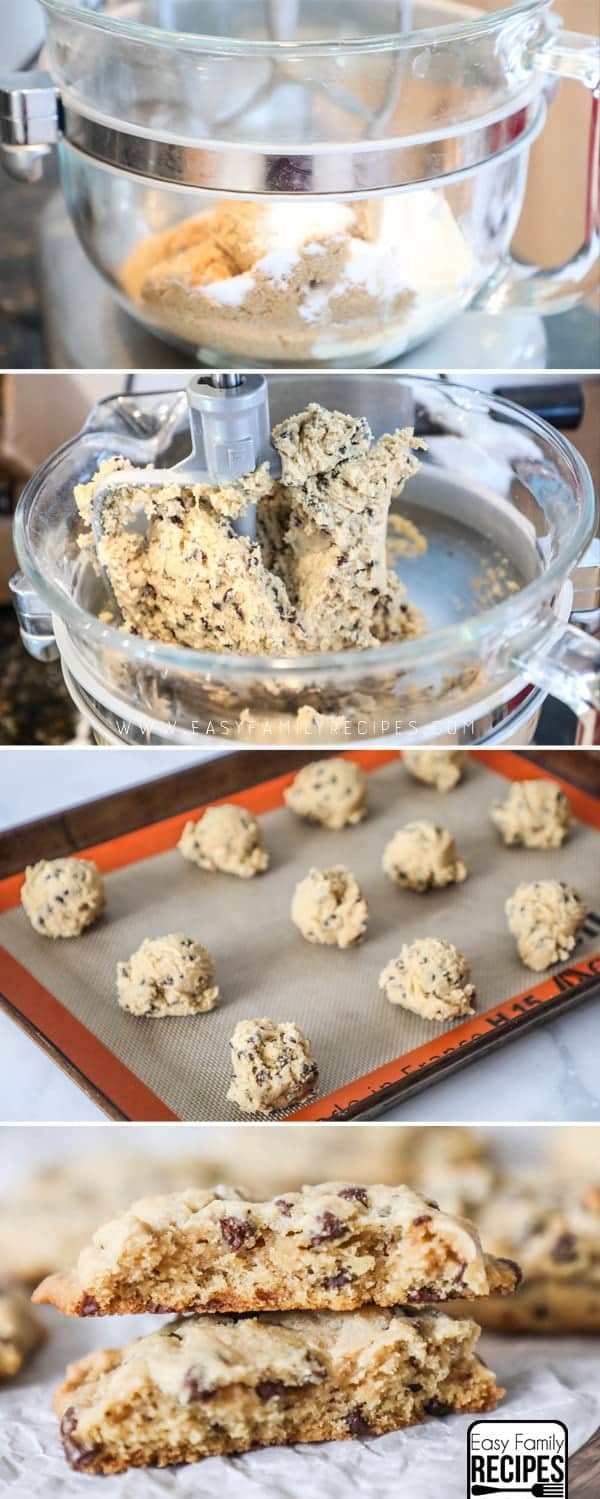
(550, 1075)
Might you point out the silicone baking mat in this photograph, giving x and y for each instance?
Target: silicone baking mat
(369, 1052)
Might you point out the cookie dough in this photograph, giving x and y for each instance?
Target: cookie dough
(215, 1386)
(423, 857)
(331, 792)
(546, 918)
(62, 897)
(317, 441)
(440, 768)
(316, 577)
(535, 814)
(337, 1245)
(329, 907)
(226, 838)
(20, 1332)
(273, 1066)
(168, 976)
(430, 977)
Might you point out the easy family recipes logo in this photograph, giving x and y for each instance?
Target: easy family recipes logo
(517, 1457)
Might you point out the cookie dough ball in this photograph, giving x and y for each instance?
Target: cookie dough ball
(332, 792)
(329, 907)
(440, 768)
(273, 1066)
(546, 918)
(423, 857)
(535, 814)
(63, 896)
(168, 976)
(429, 977)
(226, 838)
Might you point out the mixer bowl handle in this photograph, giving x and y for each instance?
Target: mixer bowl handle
(517, 284)
(565, 661)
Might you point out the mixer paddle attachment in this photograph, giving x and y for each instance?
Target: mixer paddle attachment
(230, 433)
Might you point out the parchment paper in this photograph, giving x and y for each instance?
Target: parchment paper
(553, 1378)
(265, 968)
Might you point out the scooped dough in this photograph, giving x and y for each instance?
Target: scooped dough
(430, 977)
(168, 976)
(332, 792)
(63, 896)
(316, 577)
(226, 838)
(329, 907)
(440, 768)
(423, 857)
(273, 1066)
(535, 814)
(546, 918)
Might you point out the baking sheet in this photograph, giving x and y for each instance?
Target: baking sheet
(265, 967)
(558, 1379)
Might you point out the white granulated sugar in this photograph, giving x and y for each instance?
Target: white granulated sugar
(278, 265)
(314, 304)
(290, 225)
(378, 271)
(232, 292)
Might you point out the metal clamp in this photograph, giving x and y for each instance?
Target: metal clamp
(30, 123)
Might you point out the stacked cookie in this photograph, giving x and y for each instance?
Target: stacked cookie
(303, 1318)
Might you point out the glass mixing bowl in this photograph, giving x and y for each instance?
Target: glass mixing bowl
(304, 182)
(507, 507)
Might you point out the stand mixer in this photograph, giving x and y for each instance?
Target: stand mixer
(306, 183)
(499, 494)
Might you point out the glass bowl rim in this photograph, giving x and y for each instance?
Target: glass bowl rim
(398, 655)
(233, 46)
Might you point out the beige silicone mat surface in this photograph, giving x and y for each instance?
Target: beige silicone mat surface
(264, 966)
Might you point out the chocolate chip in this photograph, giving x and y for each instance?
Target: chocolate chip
(194, 1387)
(69, 1422)
(355, 1193)
(267, 1389)
(331, 1228)
(88, 1306)
(424, 1293)
(424, 1218)
(78, 1457)
(236, 1231)
(564, 1249)
(512, 1264)
(357, 1425)
(437, 1408)
(284, 1206)
(335, 1282)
